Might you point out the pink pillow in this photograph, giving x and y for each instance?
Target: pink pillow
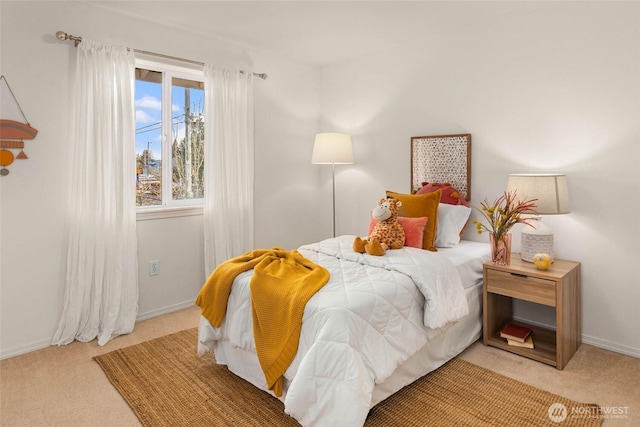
(413, 229)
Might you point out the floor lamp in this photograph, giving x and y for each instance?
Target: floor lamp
(332, 148)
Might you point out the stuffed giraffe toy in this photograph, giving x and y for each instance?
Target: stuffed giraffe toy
(387, 234)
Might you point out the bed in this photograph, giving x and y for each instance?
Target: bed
(377, 325)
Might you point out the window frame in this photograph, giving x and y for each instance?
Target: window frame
(169, 208)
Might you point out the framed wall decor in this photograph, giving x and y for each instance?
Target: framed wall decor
(440, 159)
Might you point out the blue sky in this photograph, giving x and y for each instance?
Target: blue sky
(148, 105)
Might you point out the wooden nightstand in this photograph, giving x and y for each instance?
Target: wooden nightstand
(558, 287)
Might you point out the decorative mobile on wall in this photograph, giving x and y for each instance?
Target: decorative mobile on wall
(12, 132)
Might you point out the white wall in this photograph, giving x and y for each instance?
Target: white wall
(555, 90)
(33, 196)
(287, 117)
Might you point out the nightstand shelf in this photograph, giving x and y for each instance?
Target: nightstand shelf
(544, 344)
(557, 287)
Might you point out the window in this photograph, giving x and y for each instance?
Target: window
(169, 103)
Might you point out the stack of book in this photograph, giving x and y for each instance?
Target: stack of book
(518, 336)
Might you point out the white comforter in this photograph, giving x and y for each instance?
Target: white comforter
(372, 315)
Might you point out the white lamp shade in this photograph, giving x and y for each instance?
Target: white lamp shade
(550, 190)
(332, 148)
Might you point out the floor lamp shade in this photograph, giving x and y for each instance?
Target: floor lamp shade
(332, 149)
(552, 196)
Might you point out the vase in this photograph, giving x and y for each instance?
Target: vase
(500, 249)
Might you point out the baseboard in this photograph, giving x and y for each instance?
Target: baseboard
(608, 345)
(534, 323)
(39, 345)
(165, 310)
(589, 340)
(24, 349)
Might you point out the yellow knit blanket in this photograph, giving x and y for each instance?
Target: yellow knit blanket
(281, 285)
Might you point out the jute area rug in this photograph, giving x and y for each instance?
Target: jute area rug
(167, 384)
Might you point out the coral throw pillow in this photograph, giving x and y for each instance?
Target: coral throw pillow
(413, 230)
(450, 195)
(421, 205)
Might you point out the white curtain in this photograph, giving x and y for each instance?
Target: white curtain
(228, 165)
(101, 298)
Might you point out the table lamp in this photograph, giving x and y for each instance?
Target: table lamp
(552, 196)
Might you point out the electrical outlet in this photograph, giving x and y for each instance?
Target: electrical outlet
(154, 267)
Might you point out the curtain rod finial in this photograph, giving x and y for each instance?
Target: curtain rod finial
(65, 36)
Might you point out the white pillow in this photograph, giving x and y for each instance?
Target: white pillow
(451, 221)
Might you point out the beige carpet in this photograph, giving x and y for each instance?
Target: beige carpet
(166, 384)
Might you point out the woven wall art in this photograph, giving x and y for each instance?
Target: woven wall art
(442, 159)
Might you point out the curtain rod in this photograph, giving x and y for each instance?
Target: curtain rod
(64, 36)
